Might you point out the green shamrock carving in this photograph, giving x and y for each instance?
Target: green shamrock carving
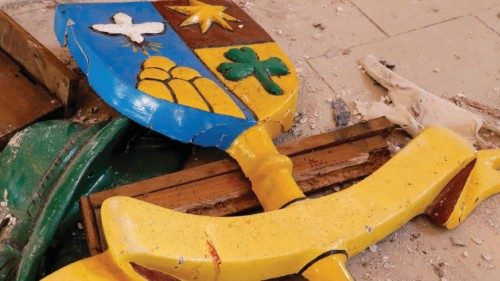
(245, 62)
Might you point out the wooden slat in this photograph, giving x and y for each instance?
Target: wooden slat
(220, 188)
(352, 133)
(89, 220)
(39, 62)
(248, 201)
(312, 172)
(358, 131)
(22, 102)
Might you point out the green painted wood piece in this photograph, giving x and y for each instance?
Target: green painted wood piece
(44, 171)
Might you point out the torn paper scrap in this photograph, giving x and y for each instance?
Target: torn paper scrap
(414, 109)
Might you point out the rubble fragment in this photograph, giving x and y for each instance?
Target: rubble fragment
(414, 236)
(341, 113)
(319, 26)
(414, 108)
(457, 242)
(463, 101)
(477, 241)
(388, 65)
(486, 257)
(439, 269)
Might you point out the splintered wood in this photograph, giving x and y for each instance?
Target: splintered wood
(221, 189)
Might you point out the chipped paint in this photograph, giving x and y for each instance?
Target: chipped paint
(14, 144)
(116, 84)
(215, 257)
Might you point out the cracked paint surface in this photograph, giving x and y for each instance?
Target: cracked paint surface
(112, 69)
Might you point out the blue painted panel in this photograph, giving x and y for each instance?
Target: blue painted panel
(112, 67)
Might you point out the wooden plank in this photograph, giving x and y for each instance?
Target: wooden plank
(220, 189)
(39, 62)
(248, 201)
(231, 193)
(89, 219)
(312, 172)
(22, 102)
(359, 131)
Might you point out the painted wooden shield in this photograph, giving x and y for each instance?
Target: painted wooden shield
(200, 72)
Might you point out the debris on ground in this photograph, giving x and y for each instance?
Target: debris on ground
(299, 118)
(388, 65)
(245, 4)
(296, 132)
(319, 26)
(457, 242)
(414, 108)
(341, 113)
(439, 269)
(486, 257)
(464, 102)
(477, 241)
(414, 236)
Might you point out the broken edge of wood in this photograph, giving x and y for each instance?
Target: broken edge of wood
(38, 61)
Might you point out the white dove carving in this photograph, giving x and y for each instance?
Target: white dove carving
(123, 25)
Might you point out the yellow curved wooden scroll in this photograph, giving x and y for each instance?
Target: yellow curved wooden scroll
(313, 237)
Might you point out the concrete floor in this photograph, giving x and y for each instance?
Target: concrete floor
(447, 47)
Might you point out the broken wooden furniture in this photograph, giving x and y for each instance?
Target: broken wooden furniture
(231, 87)
(47, 168)
(33, 82)
(221, 189)
(437, 171)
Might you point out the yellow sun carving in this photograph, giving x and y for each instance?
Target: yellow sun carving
(204, 14)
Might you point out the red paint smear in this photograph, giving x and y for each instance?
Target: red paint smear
(215, 256)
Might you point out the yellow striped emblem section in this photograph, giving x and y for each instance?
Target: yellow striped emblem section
(163, 79)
